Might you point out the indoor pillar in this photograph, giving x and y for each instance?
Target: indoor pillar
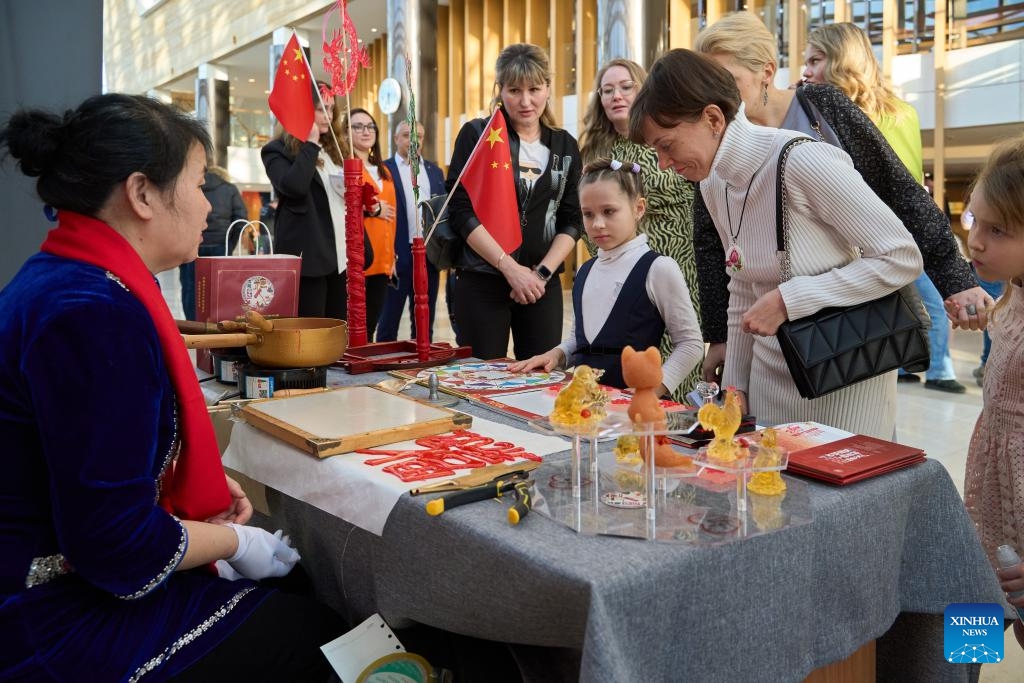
(412, 30)
(213, 106)
(627, 29)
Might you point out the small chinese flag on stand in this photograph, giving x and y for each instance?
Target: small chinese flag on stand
(488, 179)
(291, 98)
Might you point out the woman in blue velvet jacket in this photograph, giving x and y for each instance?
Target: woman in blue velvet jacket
(117, 522)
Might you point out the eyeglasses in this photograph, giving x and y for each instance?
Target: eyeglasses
(360, 127)
(607, 92)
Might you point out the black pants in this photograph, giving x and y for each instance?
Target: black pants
(486, 314)
(279, 642)
(325, 296)
(376, 293)
(395, 300)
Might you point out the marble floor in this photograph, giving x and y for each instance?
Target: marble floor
(938, 422)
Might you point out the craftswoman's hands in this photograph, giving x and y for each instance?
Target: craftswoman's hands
(960, 305)
(714, 363)
(527, 287)
(766, 315)
(547, 361)
(240, 509)
(262, 554)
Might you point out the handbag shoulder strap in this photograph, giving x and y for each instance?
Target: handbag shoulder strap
(810, 112)
(781, 218)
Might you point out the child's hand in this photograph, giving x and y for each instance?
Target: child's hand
(547, 361)
(1011, 580)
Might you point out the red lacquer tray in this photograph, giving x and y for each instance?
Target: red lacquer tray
(398, 355)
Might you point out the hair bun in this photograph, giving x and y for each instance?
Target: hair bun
(34, 139)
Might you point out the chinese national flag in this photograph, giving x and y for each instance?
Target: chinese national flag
(488, 179)
(291, 98)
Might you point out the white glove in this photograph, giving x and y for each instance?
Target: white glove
(262, 554)
(226, 571)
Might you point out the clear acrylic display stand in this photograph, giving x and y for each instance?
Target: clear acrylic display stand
(742, 469)
(596, 490)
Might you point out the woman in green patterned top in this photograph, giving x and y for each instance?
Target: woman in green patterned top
(668, 222)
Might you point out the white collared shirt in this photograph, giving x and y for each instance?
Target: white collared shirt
(405, 173)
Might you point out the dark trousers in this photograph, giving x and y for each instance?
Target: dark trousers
(279, 642)
(376, 291)
(486, 314)
(324, 296)
(187, 275)
(395, 300)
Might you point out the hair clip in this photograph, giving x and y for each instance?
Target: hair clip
(50, 213)
(615, 165)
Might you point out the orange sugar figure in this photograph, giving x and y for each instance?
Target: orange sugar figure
(641, 371)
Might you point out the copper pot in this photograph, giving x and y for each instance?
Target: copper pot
(283, 342)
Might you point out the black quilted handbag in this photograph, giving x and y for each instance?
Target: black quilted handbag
(837, 347)
(443, 244)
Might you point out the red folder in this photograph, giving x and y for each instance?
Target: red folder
(852, 459)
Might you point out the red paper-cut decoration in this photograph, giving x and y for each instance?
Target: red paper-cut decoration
(343, 79)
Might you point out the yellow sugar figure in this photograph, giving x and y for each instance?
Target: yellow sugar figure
(582, 402)
(768, 455)
(766, 511)
(627, 450)
(724, 421)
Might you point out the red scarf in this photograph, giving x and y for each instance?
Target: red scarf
(194, 487)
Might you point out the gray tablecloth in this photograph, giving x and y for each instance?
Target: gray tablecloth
(773, 607)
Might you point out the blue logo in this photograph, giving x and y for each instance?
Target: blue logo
(973, 633)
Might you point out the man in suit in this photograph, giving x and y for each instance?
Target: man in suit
(431, 182)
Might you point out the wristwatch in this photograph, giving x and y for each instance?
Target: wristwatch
(543, 272)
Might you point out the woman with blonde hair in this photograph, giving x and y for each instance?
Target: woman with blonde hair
(519, 293)
(841, 55)
(668, 220)
(742, 44)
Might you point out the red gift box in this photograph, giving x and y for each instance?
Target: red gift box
(228, 286)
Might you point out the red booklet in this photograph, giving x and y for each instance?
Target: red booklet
(852, 459)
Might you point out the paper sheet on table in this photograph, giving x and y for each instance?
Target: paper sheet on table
(342, 485)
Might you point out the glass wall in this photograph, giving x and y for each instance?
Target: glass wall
(972, 21)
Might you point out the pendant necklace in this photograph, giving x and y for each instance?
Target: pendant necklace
(733, 254)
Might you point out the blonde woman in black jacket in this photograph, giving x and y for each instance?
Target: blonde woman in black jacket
(497, 293)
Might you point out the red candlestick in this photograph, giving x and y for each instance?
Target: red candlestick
(355, 278)
(419, 288)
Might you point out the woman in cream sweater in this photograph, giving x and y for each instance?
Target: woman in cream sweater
(846, 245)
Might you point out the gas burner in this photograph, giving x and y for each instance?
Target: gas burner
(255, 381)
(225, 362)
